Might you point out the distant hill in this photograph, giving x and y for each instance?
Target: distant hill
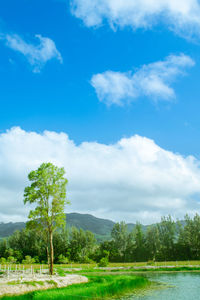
(100, 227)
(7, 229)
(91, 223)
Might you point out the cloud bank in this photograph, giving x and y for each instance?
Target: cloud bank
(36, 54)
(131, 180)
(151, 80)
(181, 16)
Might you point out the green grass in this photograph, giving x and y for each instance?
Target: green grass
(60, 271)
(111, 265)
(135, 270)
(98, 287)
(33, 283)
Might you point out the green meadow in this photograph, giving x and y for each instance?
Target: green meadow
(98, 287)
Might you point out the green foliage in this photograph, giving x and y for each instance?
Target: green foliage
(62, 259)
(139, 251)
(167, 235)
(3, 261)
(28, 260)
(48, 192)
(103, 262)
(119, 235)
(160, 242)
(82, 245)
(11, 260)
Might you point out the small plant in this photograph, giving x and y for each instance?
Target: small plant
(36, 259)
(11, 260)
(62, 259)
(52, 282)
(60, 272)
(3, 260)
(103, 262)
(32, 283)
(28, 260)
(150, 263)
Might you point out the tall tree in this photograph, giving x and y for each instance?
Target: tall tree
(152, 242)
(82, 244)
(167, 235)
(119, 236)
(48, 192)
(139, 247)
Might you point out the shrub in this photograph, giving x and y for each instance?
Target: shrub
(28, 260)
(11, 260)
(62, 259)
(3, 260)
(103, 262)
(36, 258)
(150, 263)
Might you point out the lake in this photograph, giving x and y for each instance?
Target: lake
(183, 286)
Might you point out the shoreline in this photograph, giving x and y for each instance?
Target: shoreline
(97, 287)
(18, 285)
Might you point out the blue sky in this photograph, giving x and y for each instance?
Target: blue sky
(99, 74)
(61, 98)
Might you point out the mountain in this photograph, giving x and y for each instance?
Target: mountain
(7, 229)
(100, 227)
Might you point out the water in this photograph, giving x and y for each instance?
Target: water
(183, 286)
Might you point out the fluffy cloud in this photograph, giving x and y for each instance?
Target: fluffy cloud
(133, 179)
(37, 55)
(181, 16)
(151, 80)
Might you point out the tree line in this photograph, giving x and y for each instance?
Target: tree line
(46, 240)
(165, 241)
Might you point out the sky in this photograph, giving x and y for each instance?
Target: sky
(109, 89)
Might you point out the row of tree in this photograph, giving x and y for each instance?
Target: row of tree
(165, 241)
(46, 240)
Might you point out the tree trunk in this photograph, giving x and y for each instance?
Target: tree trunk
(51, 253)
(47, 248)
(48, 257)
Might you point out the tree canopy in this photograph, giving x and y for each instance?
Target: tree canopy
(48, 192)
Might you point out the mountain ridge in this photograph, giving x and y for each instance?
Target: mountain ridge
(99, 226)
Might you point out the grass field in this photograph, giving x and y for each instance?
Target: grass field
(98, 287)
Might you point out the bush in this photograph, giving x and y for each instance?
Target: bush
(62, 259)
(3, 260)
(150, 263)
(11, 260)
(28, 260)
(103, 262)
(85, 260)
(36, 259)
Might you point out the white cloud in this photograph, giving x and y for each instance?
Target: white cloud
(133, 179)
(37, 55)
(181, 16)
(151, 80)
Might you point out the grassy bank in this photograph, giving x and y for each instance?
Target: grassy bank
(111, 265)
(136, 270)
(98, 287)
